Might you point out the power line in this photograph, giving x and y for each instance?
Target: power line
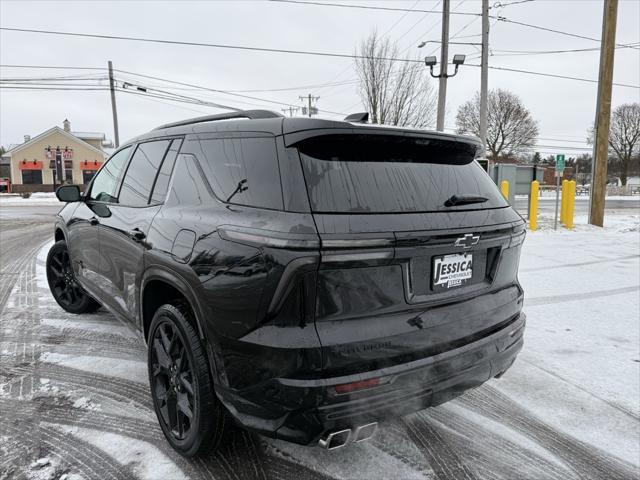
(559, 32)
(226, 92)
(553, 75)
(200, 44)
(348, 67)
(497, 5)
(368, 7)
(282, 89)
(297, 52)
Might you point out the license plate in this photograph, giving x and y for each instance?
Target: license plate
(451, 270)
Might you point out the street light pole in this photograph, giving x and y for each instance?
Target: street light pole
(484, 76)
(444, 58)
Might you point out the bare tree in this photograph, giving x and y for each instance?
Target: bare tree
(624, 137)
(511, 130)
(394, 92)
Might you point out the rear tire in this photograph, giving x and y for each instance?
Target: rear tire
(192, 418)
(63, 284)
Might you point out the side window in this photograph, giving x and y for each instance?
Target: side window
(142, 170)
(105, 184)
(189, 187)
(164, 175)
(244, 171)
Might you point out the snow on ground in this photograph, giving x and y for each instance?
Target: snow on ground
(74, 390)
(36, 199)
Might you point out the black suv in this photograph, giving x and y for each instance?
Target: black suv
(302, 278)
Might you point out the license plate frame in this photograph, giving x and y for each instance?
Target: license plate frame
(450, 271)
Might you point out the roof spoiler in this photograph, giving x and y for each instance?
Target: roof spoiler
(362, 117)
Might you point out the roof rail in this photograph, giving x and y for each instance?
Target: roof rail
(250, 114)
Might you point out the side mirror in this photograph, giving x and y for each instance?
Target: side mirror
(68, 193)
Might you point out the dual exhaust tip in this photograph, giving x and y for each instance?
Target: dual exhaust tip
(339, 438)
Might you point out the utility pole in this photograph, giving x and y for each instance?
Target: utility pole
(603, 114)
(290, 110)
(113, 105)
(444, 59)
(310, 110)
(484, 76)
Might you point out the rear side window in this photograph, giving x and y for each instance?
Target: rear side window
(189, 187)
(392, 174)
(142, 170)
(105, 183)
(244, 171)
(164, 175)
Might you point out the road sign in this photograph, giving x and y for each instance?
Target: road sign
(560, 163)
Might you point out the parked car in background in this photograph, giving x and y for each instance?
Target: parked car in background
(300, 278)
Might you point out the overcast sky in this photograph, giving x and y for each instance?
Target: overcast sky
(563, 108)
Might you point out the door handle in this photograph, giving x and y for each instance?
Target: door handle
(137, 235)
(94, 221)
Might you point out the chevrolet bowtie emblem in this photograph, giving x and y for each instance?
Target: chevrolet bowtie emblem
(468, 241)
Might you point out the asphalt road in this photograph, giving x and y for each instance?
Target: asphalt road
(75, 394)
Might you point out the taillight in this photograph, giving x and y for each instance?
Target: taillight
(360, 385)
(267, 238)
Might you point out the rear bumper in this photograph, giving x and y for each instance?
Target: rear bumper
(301, 411)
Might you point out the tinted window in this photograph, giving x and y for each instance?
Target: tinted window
(392, 174)
(254, 160)
(164, 175)
(142, 170)
(105, 184)
(189, 187)
(30, 177)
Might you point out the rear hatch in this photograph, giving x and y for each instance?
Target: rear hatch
(419, 250)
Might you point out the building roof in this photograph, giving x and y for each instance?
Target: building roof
(89, 135)
(71, 136)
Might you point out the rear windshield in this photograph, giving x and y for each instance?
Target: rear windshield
(392, 174)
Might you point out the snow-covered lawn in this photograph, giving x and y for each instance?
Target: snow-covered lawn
(74, 393)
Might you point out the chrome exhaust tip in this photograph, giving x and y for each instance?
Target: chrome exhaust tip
(365, 432)
(335, 440)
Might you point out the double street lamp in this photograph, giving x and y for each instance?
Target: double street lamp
(433, 60)
(442, 88)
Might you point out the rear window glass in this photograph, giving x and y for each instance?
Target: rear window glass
(392, 174)
(244, 171)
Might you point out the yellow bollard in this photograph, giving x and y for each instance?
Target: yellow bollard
(571, 202)
(504, 188)
(533, 206)
(563, 201)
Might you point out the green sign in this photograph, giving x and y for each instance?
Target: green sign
(560, 163)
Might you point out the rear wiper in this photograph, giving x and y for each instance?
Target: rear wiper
(455, 200)
(242, 186)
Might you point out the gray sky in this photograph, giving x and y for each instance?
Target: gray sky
(563, 108)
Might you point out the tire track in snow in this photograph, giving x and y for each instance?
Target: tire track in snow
(588, 461)
(495, 453)
(60, 411)
(117, 389)
(90, 461)
(580, 264)
(535, 301)
(442, 457)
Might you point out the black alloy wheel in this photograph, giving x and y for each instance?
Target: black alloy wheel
(173, 380)
(193, 420)
(63, 284)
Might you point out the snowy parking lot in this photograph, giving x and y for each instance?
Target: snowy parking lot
(74, 400)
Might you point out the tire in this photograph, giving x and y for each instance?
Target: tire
(178, 388)
(63, 284)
